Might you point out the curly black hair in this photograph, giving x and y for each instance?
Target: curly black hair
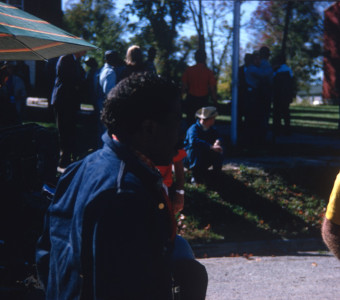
(139, 97)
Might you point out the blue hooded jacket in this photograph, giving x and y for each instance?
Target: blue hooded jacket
(107, 233)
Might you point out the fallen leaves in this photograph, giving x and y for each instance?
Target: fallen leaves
(247, 255)
(244, 255)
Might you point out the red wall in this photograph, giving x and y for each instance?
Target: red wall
(331, 54)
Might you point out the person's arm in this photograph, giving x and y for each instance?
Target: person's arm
(178, 201)
(331, 236)
(194, 140)
(331, 225)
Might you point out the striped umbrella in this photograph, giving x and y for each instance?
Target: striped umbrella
(26, 37)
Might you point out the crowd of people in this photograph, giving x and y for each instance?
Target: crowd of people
(73, 85)
(263, 85)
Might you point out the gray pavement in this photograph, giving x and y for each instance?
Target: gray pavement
(305, 275)
(273, 269)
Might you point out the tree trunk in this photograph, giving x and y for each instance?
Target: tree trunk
(285, 31)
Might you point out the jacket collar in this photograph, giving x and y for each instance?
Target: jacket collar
(135, 164)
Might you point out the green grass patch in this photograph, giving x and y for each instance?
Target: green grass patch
(317, 117)
(45, 124)
(304, 118)
(249, 204)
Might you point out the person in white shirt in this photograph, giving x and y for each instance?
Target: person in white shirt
(107, 75)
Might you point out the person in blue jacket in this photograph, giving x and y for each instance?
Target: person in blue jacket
(283, 95)
(110, 230)
(203, 144)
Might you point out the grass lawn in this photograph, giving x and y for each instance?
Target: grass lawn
(246, 204)
(315, 119)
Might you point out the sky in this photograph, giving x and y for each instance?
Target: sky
(247, 8)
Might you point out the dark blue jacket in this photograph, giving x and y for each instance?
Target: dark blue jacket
(69, 83)
(106, 235)
(197, 143)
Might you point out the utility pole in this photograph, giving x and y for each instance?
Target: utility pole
(235, 66)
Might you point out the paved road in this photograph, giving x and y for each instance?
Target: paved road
(305, 275)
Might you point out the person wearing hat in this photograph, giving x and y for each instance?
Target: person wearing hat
(203, 144)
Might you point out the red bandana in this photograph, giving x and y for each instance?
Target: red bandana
(167, 201)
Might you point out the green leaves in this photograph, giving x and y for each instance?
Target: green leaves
(305, 34)
(96, 22)
(158, 25)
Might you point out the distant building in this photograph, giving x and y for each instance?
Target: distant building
(311, 96)
(331, 54)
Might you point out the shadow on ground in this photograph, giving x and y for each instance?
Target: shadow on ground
(226, 213)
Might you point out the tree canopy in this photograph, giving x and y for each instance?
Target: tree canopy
(304, 34)
(96, 22)
(159, 23)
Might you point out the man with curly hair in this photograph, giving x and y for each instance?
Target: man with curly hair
(110, 231)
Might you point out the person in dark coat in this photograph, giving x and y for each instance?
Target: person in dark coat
(283, 94)
(203, 145)
(242, 89)
(110, 231)
(66, 97)
(150, 64)
(254, 107)
(266, 83)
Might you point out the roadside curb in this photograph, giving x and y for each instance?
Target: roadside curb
(265, 248)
